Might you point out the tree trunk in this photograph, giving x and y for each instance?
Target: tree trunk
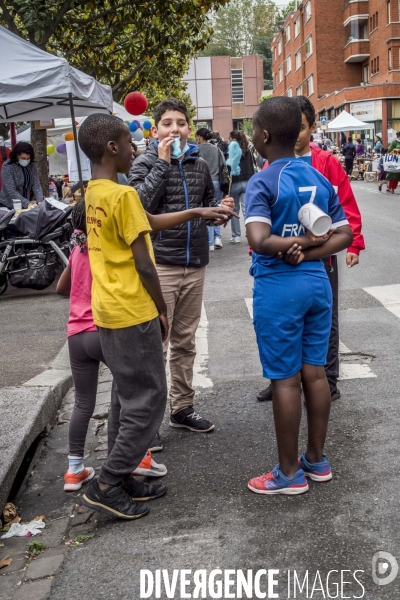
(39, 143)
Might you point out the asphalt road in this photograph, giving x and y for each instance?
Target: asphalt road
(209, 519)
(32, 332)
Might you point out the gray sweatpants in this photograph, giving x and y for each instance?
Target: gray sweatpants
(135, 358)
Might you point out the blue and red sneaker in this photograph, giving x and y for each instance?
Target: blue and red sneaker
(320, 471)
(276, 482)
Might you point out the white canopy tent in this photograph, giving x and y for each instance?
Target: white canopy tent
(346, 122)
(35, 85)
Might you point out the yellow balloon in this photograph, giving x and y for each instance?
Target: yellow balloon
(50, 149)
(146, 133)
(153, 122)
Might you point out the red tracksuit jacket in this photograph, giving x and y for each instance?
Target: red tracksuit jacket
(329, 166)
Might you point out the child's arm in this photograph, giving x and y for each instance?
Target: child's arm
(150, 179)
(169, 220)
(261, 241)
(149, 277)
(64, 283)
(342, 238)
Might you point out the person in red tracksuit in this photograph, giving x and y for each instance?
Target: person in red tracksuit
(329, 166)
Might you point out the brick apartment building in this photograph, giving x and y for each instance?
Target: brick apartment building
(225, 90)
(343, 54)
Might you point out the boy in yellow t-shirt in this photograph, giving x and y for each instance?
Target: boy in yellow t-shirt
(128, 308)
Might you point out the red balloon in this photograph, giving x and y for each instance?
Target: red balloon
(136, 103)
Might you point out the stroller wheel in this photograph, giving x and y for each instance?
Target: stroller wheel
(3, 284)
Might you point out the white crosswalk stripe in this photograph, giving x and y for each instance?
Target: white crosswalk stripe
(347, 370)
(388, 295)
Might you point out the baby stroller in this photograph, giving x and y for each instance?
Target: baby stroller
(32, 251)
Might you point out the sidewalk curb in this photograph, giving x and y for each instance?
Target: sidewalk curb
(36, 403)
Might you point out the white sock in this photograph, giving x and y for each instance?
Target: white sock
(75, 464)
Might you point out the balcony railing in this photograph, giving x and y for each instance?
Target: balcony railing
(356, 51)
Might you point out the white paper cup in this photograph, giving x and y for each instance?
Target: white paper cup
(314, 219)
(17, 204)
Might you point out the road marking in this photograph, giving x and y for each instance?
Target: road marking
(388, 295)
(200, 368)
(346, 370)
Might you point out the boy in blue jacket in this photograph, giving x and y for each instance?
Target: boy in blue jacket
(292, 294)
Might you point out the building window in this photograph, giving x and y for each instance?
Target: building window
(388, 12)
(299, 90)
(289, 93)
(373, 22)
(308, 45)
(310, 85)
(356, 29)
(297, 27)
(298, 59)
(279, 46)
(288, 64)
(280, 71)
(287, 34)
(237, 86)
(375, 66)
(307, 12)
(366, 73)
(390, 59)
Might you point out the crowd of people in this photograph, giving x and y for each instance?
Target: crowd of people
(136, 280)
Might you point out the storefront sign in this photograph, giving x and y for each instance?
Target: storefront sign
(370, 110)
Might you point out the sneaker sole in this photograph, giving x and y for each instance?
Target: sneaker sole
(319, 478)
(283, 491)
(74, 487)
(148, 498)
(111, 511)
(156, 448)
(149, 473)
(180, 426)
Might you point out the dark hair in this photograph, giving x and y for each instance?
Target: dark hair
(379, 137)
(281, 116)
(205, 133)
(241, 139)
(311, 138)
(78, 216)
(170, 104)
(95, 133)
(397, 133)
(306, 107)
(22, 147)
(359, 141)
(350, 139)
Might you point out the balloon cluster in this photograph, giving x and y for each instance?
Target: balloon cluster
(136, 104)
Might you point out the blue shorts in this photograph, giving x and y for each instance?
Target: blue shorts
(292, 320)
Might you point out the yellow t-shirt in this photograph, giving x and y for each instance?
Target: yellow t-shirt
(114, 219)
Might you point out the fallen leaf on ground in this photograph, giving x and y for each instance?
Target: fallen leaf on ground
(4, 562)
(9, 513)
(42, 518)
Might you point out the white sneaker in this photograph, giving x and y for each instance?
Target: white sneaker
(235, 240)
(149, 468)
(211, 248)
(218, 242)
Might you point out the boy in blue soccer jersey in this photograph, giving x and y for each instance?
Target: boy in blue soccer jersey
(292, 295)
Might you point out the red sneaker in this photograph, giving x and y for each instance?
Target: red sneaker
(149, 468)
(73, 482)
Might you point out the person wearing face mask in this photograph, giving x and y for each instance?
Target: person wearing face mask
(20, 178)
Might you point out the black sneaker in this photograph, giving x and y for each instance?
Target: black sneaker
(114, 502)
(188, 418)
(156, 444)
(335, 394)
(143, 491)
(265, 395)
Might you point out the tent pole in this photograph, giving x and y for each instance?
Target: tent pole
(78, 158)
(13, 135)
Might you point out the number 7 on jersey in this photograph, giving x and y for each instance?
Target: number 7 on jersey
(312, 189)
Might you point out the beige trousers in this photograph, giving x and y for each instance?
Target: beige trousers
(182, 288)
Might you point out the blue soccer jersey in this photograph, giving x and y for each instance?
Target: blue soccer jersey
(275, 196)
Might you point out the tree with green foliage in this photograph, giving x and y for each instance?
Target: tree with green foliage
(244, 27)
